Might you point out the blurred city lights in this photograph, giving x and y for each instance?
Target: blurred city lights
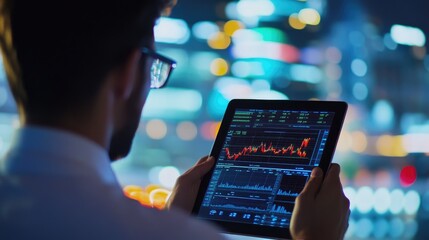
(312, 56)
(246, 35)
(233, 87)
(381, 228)
(202, 61)
(359, 142)
(232, 26)
(251, 8)
(219, 67)
(295, 22)
(359, 67)
(269, 94)
(333, 55)
(169, 30)
(306, 73)
(156, 129)
(408, 176)
(269, 34)
(411, 228)
(383, 114)
(412, 202)
(159, 197)
(416, 142)
(209, 130)
(243, 69)
(160, 103)
(219, 40)
(260, 85)
(360, 91)
(406, 35)
(397, 204)
(204, 29)
(390, 146)
(364, 199)
(364, 228)
(153, 174)
(187, 131)
(168, 176)
(382, 200)
(397, 228)
(389, 42)
(267, 50)
(333, 72)
(309, 16)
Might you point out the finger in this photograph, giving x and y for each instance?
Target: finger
(198, 171)
(313, 184)
(333, 174)
(203, 159)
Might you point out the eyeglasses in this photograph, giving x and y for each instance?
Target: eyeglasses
(161, 68)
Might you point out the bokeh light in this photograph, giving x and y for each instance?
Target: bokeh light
(295, 22)
(219, 40)
(309, 16)
(187, 131)
(219, 67)
(168, 176)
(232, 26)
(156, 129)
(408, 176)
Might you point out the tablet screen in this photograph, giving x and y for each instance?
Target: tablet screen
(266, 158)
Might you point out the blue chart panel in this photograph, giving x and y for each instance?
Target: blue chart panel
(256, 187)
(290, 187)
(240, 203)
(287, 193)
(282, 208)
(247, 179)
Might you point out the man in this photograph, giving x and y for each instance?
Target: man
(80, 73)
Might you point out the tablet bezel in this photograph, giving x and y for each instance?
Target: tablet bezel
(340, 109)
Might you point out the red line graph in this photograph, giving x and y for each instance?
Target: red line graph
(262, 148)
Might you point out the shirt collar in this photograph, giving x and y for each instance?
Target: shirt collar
(42, 150)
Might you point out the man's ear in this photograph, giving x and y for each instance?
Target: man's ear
(125, 75)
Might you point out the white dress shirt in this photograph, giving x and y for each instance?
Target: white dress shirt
(58, 185)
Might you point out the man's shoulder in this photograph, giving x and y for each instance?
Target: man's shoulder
(39, 203)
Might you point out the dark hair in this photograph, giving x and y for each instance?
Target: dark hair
(57, 53)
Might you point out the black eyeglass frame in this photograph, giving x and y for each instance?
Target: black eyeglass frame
(166, 60)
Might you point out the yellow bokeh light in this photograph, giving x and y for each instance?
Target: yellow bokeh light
(232, 26)
(295, 23)
(159, 197)
(309, 16)
(390, 146)
(219, 67)
(219, 41)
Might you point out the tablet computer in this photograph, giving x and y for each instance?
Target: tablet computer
(265, 151)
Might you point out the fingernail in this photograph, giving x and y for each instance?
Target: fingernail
(317, 172)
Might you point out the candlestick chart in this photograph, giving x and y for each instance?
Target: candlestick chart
(298, 149)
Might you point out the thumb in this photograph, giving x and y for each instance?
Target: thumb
(313, 185)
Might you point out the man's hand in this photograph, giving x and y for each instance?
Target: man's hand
(321, 210)
(187, 185)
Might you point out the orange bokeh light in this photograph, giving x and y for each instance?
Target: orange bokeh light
(150, 196)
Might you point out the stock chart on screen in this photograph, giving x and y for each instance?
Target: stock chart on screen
(265, 161)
